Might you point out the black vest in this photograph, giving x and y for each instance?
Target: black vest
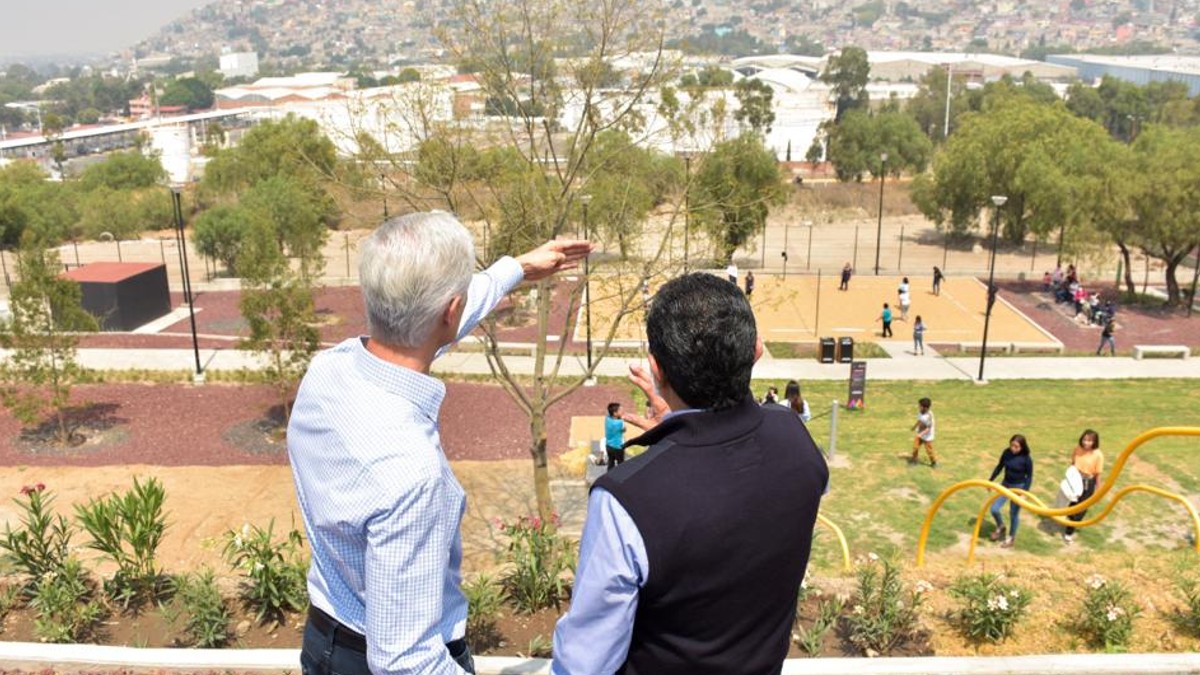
(725, 503)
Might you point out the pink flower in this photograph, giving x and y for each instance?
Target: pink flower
(40, 487)
(27, 490)
(537, 522)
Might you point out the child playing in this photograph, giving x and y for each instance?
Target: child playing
(924, 429)
(614, 435)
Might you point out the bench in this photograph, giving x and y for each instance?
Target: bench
(1055, 347)
(1165, 350)
(1000, 347)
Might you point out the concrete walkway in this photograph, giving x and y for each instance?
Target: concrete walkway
(903, 366)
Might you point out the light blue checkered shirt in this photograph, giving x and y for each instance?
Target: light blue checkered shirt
(380, 504)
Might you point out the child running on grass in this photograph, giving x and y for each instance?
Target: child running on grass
(924, 436)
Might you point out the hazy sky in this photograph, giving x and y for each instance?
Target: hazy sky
(41, 27)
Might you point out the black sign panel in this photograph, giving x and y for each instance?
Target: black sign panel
(858, 385)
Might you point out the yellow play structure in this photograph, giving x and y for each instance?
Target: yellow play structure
(1034, 505)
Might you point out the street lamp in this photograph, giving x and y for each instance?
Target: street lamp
(188, 294)
(587, 288)
(879, 228)
(687, 209)
(998, 200)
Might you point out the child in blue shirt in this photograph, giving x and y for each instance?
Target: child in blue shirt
(614, 435)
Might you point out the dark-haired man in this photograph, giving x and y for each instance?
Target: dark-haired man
(693, 552)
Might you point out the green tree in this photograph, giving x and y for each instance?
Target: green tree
(625, 182)
(847, 74)
(42, 334)
(735, 187)
(1166, 201)
(1030, 152)
(522, 186)
(220, 232)
(124, 171)
(755, 99)
(277, 303)
(190, 92)
(29, 202)
(290, 213)
(928, 107)
(292, 146)
(856, 144)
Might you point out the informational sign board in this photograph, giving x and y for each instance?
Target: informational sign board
(858, 385)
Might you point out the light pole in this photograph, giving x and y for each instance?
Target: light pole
(998, 200)
(587, 288)
(879, 227)
(187, 278)
(383, 191)
(687, 209)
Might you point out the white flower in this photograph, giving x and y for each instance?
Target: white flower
(1114, 612)
(858, 609)
(258, 567)
(1095, 581)
(923, 586)
(998, 602)
(1015, 593)
(872, 557)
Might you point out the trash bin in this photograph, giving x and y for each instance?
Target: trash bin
(845, 350)
(828, 350)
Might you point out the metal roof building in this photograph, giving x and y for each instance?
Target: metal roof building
(1140, 70)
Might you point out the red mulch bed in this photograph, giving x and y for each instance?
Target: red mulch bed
(219, 321)
(218, 424)
(1137, 325)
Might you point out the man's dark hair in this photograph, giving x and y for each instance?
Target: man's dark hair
(701, 331)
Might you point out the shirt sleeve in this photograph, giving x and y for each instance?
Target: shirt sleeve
(405, 566)
(486, 291)
(594, 636)
(999, 467)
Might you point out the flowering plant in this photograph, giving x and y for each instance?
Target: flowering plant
(990, 608)
(273, 572)
(539, 556)
(1106, 617)
(883, 612)
(42, 545)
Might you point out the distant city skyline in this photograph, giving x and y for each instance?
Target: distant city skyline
(85, 26)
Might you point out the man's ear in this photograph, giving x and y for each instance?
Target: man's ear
(656, 374)
(454, 309)
(758, 348)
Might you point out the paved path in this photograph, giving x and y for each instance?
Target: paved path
(903, 366)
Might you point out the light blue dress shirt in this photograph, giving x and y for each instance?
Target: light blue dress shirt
(593, 637)
(380, 504)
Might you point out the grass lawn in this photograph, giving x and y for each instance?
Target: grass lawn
(879, 500)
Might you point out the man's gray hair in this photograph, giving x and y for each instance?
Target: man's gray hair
(410, 267)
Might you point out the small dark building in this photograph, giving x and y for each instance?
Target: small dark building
(123, 296)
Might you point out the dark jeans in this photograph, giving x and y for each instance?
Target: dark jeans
(615, 456)
(1089, 488)
(887, 329)
(320, 655)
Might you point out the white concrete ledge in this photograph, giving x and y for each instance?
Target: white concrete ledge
(17, 654)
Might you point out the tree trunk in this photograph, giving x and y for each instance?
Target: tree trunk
(1130, 287)
(538, 406)
(1173, 297)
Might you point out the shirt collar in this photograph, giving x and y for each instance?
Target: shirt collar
(424, 392)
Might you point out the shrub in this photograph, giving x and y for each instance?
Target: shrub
(41, 545)
(205, 614)
(485, 597)
(991, 608)
(65, 605)
(273, 572)
(811, 639)
(539, 556)
(1106, 617)
(883, 612)
(1189, 587)
(127, 529)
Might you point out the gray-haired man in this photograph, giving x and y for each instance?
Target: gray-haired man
(380, 504)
